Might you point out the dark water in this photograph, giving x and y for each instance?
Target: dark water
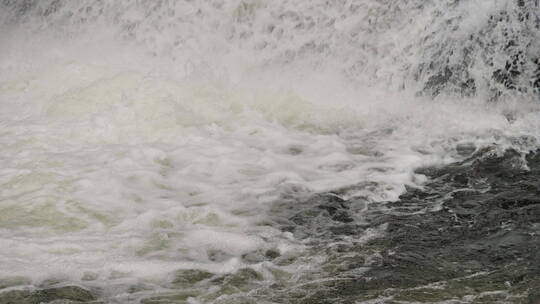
(471, 235)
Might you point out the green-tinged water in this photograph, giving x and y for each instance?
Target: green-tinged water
(269, 152)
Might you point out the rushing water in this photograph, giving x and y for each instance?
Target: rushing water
(172, 151)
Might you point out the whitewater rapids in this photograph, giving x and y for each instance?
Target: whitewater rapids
(143, 138)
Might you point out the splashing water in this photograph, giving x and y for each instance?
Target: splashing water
(143, 138)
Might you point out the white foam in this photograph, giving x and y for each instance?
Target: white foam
(131, 158)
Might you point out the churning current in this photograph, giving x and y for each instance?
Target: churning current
(253, 151)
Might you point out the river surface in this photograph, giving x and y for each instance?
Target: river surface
(252, 151)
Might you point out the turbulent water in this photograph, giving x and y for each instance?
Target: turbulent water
(252, 151)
